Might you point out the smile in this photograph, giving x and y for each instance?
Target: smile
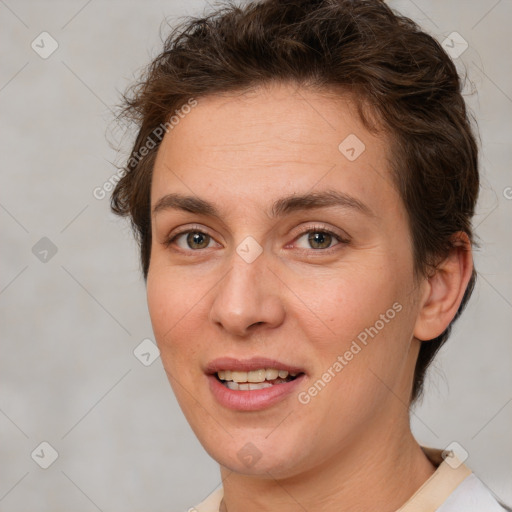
(255, 379)
(252, 384)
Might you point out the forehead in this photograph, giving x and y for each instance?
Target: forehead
(263, 143)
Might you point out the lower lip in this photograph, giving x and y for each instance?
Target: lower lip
(253, 399)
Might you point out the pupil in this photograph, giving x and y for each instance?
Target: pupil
(197, 239)
(319, 238)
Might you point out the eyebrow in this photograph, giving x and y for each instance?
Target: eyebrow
(283, 206)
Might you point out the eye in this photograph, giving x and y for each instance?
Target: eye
(188, 240)
(319, 239)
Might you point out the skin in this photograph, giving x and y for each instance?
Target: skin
(351, 446)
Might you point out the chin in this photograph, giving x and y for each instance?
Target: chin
(258, 454)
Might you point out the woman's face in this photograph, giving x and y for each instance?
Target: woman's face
(280, 243)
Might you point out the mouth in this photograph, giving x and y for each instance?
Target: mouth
(255, 379)
(252, 384)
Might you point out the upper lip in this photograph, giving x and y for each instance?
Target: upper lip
(247, 365)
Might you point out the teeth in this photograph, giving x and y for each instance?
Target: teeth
(224, 375)
(271, 374)
(246, 386)
(254, 376)
(257, 376)
(239, 376)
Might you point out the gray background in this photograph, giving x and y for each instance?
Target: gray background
(69, 325)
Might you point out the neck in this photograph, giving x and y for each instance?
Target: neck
(384, 474)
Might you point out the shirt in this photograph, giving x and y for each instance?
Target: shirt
(452, 488)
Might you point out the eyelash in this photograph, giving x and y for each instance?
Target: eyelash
(170, 240)
(325, 231)
(311, 229)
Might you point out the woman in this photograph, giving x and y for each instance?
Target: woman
(302, 187)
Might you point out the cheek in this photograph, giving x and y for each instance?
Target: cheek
(173, 308)
(172, 302)
(358, 326)
(343, 303)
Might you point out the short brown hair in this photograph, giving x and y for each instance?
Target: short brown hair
(396, 72)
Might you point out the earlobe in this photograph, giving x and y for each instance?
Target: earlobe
(445, 289)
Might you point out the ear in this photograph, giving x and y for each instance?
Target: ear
(444, 290)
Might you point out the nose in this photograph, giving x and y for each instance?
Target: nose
(247, 298)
